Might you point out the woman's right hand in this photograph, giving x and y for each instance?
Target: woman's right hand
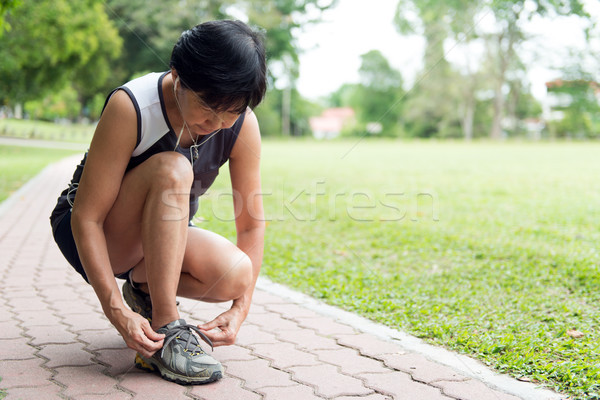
(137, 333)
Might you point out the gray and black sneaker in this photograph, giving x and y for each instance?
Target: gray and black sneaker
(137, 300)
(181, 359)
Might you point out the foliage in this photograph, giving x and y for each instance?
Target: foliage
(378, 99)
(53, 42)
(431, 105)
(503, 44)
(151, 29)
(581, 108)
(489, 249)
(443, 102)
(5, 7)
(379, 96)
(63, 104)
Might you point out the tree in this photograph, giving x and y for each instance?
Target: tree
(378, 100)
(53, 42)
(579, 104)
(503, 45)
(150, 29)
(434, 103)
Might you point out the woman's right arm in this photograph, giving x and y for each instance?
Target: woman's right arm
(111, 148)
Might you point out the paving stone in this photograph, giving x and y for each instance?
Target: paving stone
(48, 391)
(291, 311)
(63, 355)
(232, 353)
(36, 318)
(249, 335)
(284, 355)
(6, 314)
(114, 395)
(58, 293)
(150, 386)
(21, 292)
(16, 349)
(471, 390)
(82, 288)
(369, 345)
(87, 321)
(421, 369)
(18, 373)
(257, 374)
(84, 380)
(258, 309)
(308, 339)
(12, 280)
(272, 322)
(226, 388)
(65, 308)
(118, 361)
(54, 334)
(328, 382)
(10, 330)
(350, 361)
(298, 392)
(48, 278)
(102, 339)
(29, 303)
(325, 326)
(374, 396)
(264, 298)
(14, 271)
(399, 386)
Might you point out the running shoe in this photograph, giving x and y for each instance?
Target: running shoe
(182, 359)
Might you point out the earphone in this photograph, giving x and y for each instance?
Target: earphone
(176, 82)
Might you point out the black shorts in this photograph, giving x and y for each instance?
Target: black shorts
(64, 239)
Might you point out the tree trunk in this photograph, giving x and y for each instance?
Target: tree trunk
(496, 132)
(18, 111)
(286, 105)
(468, 117)
(506, 55)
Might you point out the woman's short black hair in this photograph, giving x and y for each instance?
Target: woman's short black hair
(224, 62)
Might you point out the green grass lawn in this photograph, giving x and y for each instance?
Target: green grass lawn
(19, 164)
(489, 249)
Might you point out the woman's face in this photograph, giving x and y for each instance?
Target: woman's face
(200, 118)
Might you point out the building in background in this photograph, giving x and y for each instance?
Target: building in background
(331, 122)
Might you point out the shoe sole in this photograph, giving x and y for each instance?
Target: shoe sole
(149, 365)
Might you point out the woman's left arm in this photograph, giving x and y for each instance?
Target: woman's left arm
(244, 167)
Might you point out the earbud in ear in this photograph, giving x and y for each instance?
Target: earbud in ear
(176, 82)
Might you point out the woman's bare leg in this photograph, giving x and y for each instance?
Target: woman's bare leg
(214, 269)
(149, 222)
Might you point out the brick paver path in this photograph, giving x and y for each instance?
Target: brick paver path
(56, 343)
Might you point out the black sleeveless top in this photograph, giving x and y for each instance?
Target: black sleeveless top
(155, 135)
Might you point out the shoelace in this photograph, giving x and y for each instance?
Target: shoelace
(178, 332)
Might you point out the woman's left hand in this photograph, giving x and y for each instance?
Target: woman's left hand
(228, 324)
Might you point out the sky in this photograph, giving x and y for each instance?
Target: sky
(332, 48)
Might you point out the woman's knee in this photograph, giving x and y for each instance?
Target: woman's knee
(170, 169)
(236, 279)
